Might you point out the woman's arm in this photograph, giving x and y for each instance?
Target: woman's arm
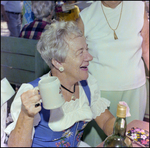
(145, 43)
(106, 122)
(21, 136)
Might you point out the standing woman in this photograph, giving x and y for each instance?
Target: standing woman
(117, 33)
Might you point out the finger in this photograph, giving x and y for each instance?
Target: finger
(31, 110)
(36, 90)
(29, 93)
(37, 104)
(37, 109)
(30, 101)
(35, 99)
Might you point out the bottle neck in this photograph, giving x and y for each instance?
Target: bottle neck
(120, 127)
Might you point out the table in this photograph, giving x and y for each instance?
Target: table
(134, 123)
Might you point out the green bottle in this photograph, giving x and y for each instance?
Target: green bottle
(118, 138)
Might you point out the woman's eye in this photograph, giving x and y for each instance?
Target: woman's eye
(81, 52)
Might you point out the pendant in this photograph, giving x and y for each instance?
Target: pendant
(115, 36)
(73, 97)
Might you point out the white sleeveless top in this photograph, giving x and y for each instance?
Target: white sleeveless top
(116, 64)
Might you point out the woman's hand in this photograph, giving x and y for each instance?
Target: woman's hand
(21, 136)
(29, 99)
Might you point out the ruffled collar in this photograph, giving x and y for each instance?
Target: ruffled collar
(70, 113)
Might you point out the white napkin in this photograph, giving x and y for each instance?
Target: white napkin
(3, 123)
(6, 91)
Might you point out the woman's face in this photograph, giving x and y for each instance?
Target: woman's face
(77, 60)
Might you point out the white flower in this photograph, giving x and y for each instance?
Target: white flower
(143, 137)
(65, 133)
(134, 136)
(69, 134)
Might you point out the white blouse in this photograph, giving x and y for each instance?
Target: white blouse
(70, 112)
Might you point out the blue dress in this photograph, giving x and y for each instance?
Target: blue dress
(45, 137)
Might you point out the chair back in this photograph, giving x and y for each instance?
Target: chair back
(20, 60)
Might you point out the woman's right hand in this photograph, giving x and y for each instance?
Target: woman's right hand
(29, 99)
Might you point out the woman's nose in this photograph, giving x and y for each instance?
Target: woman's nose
(88, 56)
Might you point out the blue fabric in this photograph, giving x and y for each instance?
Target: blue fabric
(29, 15)
(45, 137)
(86, 89)
(35, 82)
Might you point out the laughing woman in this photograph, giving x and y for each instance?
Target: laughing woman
(64, 49)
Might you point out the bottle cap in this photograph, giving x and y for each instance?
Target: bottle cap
(121, 111)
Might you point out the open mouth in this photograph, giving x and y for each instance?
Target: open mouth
(84, 68)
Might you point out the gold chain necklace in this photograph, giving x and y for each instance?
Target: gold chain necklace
(115, 36)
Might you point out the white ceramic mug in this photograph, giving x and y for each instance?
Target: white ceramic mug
(50, 91)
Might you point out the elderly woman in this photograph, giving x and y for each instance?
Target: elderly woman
(64, 49)
(44, 13)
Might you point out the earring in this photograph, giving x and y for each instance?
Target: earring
(61, 69)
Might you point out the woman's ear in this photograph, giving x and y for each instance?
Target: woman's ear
(57, 65)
